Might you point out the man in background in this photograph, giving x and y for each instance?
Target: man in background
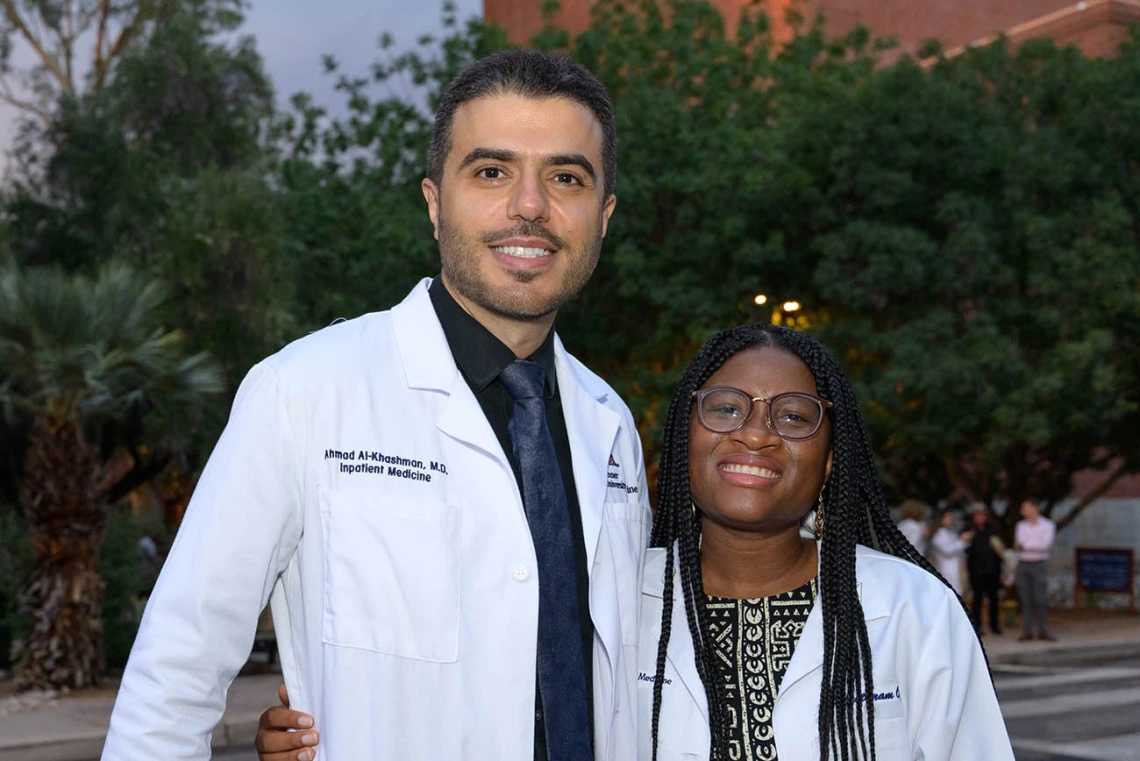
(1033, 539)
(983, 566)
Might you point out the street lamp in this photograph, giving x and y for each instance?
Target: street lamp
(791, 306)
(761, 299)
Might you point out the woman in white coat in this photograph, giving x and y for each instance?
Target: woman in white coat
(948, 549)
(759, 642)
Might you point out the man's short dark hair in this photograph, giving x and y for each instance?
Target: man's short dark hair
(530, 74)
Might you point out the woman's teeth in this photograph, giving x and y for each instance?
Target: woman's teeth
(750, 470)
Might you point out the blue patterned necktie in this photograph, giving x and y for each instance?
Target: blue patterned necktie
(561, 667)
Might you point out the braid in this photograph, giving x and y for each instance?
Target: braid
(855, 513)
(663, 645)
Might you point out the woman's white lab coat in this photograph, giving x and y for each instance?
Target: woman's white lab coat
(360, 485)
(933, 696)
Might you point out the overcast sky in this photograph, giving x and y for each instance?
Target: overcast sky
(292, 35)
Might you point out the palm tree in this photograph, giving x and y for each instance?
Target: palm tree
(78, 358)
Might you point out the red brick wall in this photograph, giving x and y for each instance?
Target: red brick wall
(954, 22)
(522, 18)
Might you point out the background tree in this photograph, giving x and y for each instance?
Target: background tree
(971, 230)
(83, 364)
(74, 45)
(166, 167)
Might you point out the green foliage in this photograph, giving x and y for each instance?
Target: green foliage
(129, 577)
(971, 235)
(165, 168)
(94, 351)
(92, 348)
(15, 564)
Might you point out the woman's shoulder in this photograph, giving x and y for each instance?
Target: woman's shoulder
(897, 582)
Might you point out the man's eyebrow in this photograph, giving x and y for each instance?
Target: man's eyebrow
(494, 154)
(572, 159)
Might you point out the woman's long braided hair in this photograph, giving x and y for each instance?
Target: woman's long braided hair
(855, 513)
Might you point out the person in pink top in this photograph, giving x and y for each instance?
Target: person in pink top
(1033, 539)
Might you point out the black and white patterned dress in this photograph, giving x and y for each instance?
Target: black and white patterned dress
(754, 644)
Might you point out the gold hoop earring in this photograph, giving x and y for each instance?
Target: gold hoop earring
(693, 509)
(819, 517)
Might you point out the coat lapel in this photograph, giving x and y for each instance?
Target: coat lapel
(592, 428)
(429, 366)
(808, 655)
(682, 655)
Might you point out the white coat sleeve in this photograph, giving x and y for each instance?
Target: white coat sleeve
(241, 528)
(953, 706)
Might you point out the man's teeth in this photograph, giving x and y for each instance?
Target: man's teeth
(750, 470)
(524, 251)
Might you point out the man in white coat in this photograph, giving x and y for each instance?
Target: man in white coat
(370, 482)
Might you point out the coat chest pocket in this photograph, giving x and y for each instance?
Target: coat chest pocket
(625, 526)
(892, 743)
(391, 574)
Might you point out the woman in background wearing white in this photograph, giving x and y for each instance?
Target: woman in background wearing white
(949, 547)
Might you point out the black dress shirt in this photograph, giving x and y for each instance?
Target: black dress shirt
(480, 358)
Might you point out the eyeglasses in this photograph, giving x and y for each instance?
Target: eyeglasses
(793, 416)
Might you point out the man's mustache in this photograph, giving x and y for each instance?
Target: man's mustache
(525, 230)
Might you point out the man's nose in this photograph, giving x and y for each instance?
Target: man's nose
(529, 200)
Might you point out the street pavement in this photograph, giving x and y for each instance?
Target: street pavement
(236, 755)
(1076, 706)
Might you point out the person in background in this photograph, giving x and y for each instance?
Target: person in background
(984, 566)
(913, 524)
(948, 547)
(1033, 539)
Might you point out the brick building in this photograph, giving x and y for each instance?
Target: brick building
(1096, 26)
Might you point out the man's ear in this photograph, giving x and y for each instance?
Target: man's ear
(431, 195)
(607, 210)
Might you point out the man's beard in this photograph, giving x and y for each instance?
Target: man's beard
(460, 258)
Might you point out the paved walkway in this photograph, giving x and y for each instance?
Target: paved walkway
(72, 728)
(1074, 630)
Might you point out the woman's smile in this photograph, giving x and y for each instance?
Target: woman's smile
(750, 471)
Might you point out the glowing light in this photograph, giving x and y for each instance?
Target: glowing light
(791, 306)
(761, 299)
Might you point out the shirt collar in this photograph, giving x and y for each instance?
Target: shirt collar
(479, 355)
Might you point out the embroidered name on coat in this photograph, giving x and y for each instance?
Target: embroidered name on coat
(372, 462)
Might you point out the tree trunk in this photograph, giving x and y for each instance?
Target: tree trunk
(64, 593)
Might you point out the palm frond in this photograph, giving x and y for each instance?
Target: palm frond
(97, 349)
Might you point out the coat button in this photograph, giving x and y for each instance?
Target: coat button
(521, 573)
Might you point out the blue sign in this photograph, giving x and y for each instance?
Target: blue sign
(1103, 570)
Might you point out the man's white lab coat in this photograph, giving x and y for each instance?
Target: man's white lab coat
(359, 484)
